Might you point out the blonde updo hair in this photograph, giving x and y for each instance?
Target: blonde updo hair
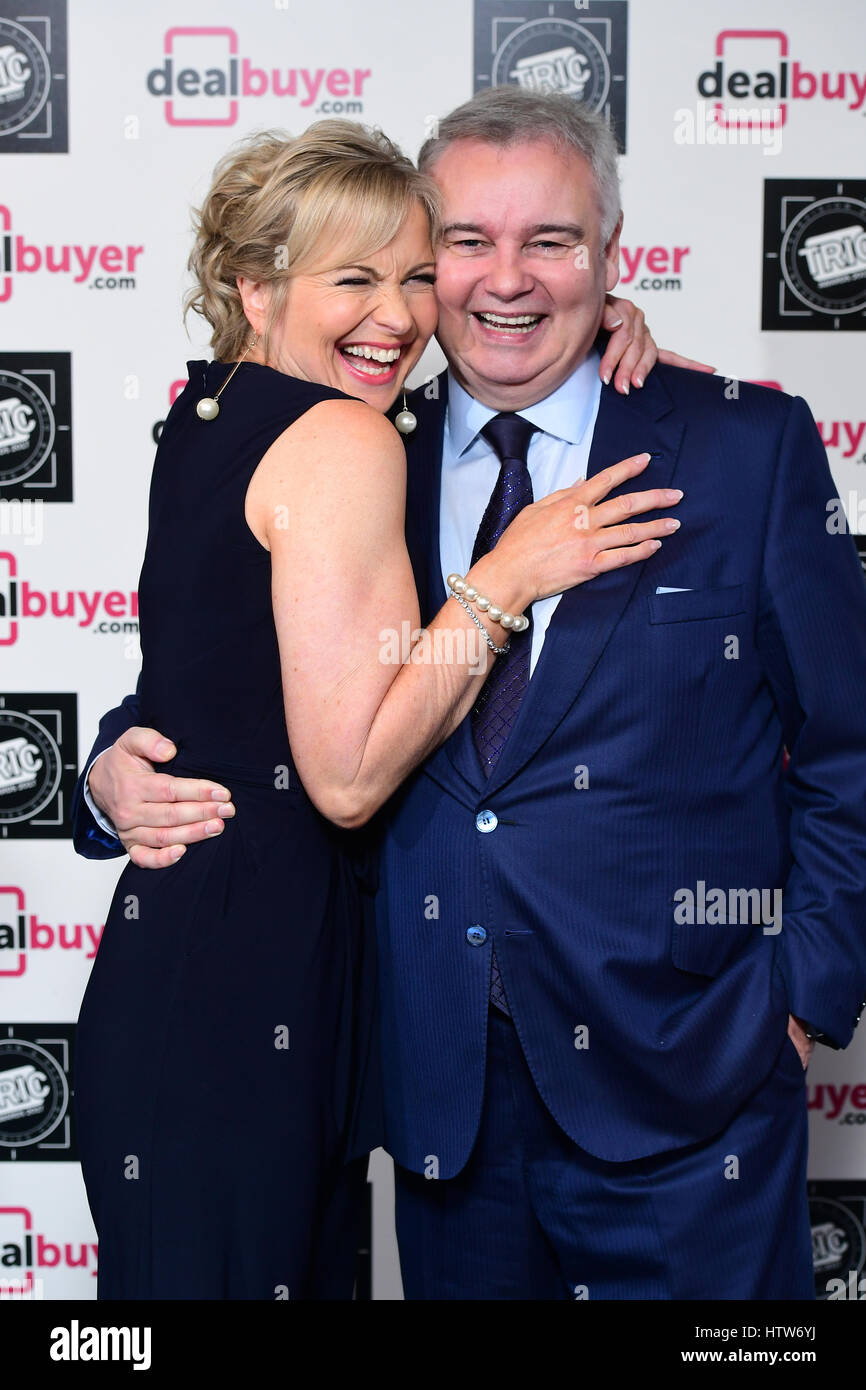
(279, 204)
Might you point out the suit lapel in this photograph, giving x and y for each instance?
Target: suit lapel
(585, 617)
(423, 495)
(423, 485)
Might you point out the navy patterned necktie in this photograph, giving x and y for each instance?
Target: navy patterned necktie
(496, 708)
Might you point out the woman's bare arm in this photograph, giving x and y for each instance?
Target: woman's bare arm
(328, 500)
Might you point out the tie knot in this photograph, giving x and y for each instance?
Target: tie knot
(509, 435)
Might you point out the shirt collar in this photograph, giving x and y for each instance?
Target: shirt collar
(565, 413)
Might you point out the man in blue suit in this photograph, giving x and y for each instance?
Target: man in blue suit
(611, 923)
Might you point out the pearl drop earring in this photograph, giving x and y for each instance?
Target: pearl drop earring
(405, 421)
(208, 408)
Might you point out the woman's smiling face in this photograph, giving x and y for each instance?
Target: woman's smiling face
(358, 328)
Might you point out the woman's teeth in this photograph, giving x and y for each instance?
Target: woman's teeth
(361, 355)
(514, 323)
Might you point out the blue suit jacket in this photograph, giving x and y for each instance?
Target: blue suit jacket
(646, 764)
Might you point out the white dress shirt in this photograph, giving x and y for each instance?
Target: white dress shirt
(557, 457)
(101, 819)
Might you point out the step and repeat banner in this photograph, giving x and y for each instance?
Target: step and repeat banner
(743, 131)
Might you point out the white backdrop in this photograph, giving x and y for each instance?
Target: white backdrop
(694, 257)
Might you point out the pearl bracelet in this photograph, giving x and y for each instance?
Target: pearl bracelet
(497, 651)
(517, 622)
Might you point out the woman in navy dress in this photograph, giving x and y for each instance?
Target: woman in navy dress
(226, 1073)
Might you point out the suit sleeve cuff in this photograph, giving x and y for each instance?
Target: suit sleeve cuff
(102, 821)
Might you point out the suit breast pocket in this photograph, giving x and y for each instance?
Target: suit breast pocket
(691, 605)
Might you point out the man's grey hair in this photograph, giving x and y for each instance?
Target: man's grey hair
(512, 115)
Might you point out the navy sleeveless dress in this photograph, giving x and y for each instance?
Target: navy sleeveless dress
(227, 1085)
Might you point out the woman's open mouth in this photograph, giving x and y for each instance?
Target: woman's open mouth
(371, 362)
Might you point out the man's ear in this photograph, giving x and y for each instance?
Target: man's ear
(611, 257)
(255, 297)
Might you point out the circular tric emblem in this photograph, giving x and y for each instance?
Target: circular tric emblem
(30, 766)
(823, 256)
(27, 427)
(34, 1093)
(554, 55)
(838, 1242)
(25, 77)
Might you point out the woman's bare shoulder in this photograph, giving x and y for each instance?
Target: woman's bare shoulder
(342, 424)
(341, 453)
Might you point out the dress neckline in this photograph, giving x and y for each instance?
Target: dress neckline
(206, 364)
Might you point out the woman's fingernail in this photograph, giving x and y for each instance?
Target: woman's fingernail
(638, 381)
(625, 388)
(674, 495)
(164, 749)
(213, 827)
(656, 545)
(219, 794)
(226, 810)
(672, 524)
(606, 378)
(176, 852)
(616, 324)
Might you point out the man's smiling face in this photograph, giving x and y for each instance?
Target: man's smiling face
(521, 272)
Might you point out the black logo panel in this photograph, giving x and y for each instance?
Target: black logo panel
(38, 765)
(33, 78)
(814, 267)
(553, 47)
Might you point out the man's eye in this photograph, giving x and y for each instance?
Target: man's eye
(469, 244)
(550, 245)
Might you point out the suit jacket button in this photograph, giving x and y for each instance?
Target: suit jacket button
(486, 821)
(476, 936)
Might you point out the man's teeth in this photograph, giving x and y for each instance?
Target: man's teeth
(517, 323)
(377, 354)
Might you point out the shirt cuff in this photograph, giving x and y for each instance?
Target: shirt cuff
(102, 821)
